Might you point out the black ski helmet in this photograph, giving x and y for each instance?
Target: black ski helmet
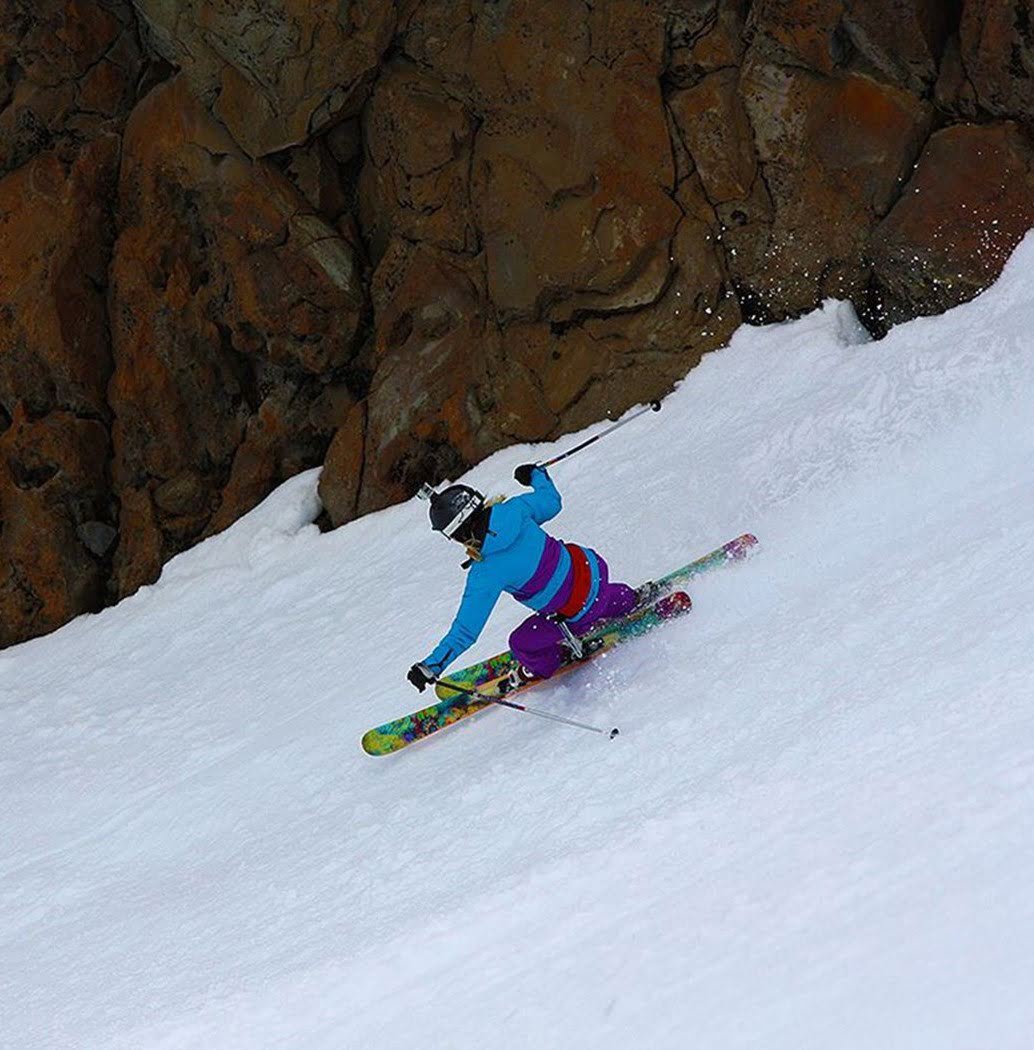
(451, 507)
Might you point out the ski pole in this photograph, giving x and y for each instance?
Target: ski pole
(611, 733)
(653, 406)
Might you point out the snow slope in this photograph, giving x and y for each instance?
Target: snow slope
(815, 830)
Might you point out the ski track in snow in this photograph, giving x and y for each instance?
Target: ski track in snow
(815, 829)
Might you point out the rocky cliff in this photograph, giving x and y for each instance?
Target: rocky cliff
(239, 239)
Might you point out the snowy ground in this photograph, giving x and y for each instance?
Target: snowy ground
(815, 831)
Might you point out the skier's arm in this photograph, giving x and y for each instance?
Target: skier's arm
(544, 500)
(479, 598)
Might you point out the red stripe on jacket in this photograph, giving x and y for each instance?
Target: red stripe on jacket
(581, 583)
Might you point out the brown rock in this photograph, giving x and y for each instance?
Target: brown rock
(433, 346)
(968, 205)
(342, 473)
(52, 486)
(516, 404)
(141, 550)
(797, 33)
(564, 364)
(705, 38)
(652, 349)
(717, 133)
(953, 92)
(997, 44)
(443, 396)
(55, 237)
(572, 164)
(834, 153)
(416, 180)
(901, 39)
(68, 70)
(578, 216)
(274, 74)
(269, 452)
(543, 129)
(695, 314)
(624, 30)
(54, 364)
(438, 35)
(345, 141)
(317, 174)
(229, 298)
(648, 350)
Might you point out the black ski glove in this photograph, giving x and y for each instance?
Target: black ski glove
(522, 475)
(421, 676)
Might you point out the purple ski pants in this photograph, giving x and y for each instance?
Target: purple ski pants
(538, 643)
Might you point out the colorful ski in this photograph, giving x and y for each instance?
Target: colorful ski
(498, 666)
(398, 733)
(394, 735)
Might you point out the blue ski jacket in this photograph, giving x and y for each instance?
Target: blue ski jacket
(514, 554)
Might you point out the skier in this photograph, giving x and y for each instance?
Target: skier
(566, 585)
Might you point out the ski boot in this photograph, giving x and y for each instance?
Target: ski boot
(518, 677)
(589, 647)
(646, 595)
(578, 649)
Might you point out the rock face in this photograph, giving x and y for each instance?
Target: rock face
(54, 366)
(521, 192)
(393, 236)
(233, 307)
(966, 208)
(68, 71)
(56, 505)
(274, 73)
(997, 51)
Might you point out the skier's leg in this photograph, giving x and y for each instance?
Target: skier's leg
(538, 645)
(617, 600)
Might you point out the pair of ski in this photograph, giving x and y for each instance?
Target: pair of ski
(482, 684)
